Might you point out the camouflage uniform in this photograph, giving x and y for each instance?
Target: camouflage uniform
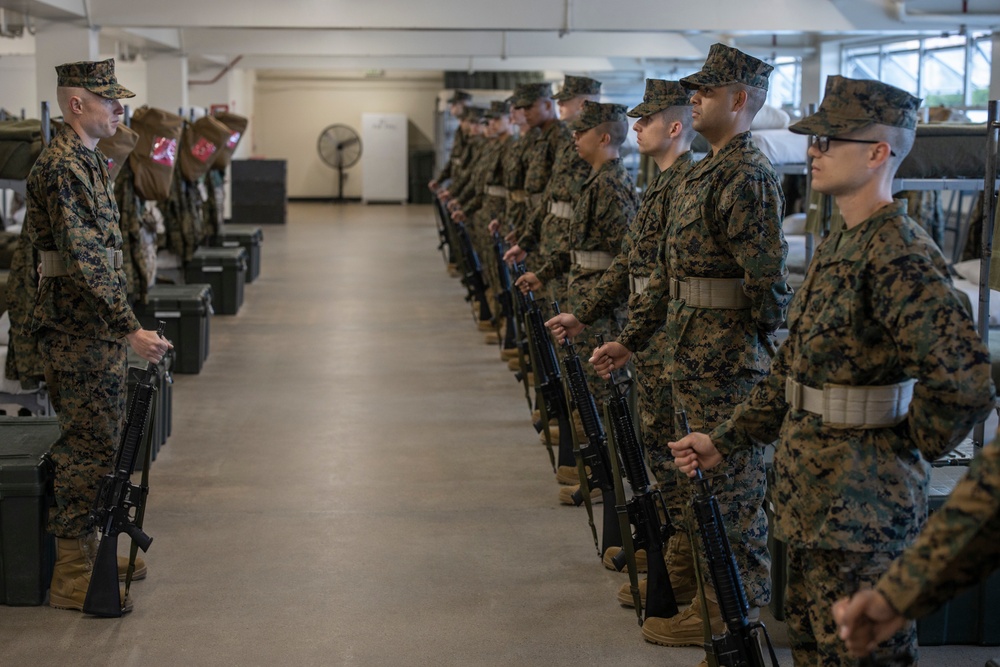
(539, 158)
(515, 165)
(80, 318)
(724, 223)
(958, 547)
(876, 308)
(547, 233)
(458, 141)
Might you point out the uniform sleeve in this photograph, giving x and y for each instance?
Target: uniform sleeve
(650, 310)
(938, 346)
(531, 228)
(753, 208)
(78, 238)
(959, 546)
(601, 300)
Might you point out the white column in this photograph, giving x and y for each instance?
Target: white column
(56, 44)
(167, 83)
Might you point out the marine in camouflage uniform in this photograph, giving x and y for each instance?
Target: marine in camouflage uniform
(456, 104)
(546, 234)
(81, 315)
(629, 272)
(547, 134)
(875, 314)
(720, 287)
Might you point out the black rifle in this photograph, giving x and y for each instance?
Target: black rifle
(119, 504)
(506, 298)
(739, 645)
(445, 235)
(472, 273)
(548, 378)
(646, 510)
(594, 451)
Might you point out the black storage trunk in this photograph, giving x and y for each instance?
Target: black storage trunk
(187, 310)
(27, 551)
(248, 237)
(973, 617)
(225, 269)
(260, 195)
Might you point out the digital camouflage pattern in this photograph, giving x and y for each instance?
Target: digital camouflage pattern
(637, 257)
(724, 221)
(595, 113)
(853, 104)
(80, 320)
(24, 361)
(97, 77)
(815, 582)
(541, 158)
(86, 381)
(660, 94)
(725, 66)
(601, 217)
(574, 86)
(71, 209)
(498, 108)
(459, 96)
(877, 307)
(515, 165)
(957, 548)
(458, 147)
(528, 93)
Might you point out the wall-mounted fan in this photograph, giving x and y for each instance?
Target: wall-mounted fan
(340, 147)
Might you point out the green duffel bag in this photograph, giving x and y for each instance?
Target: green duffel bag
(237, 127)
(200, 142)
(155, 152)
(116, 149)
(20, 146)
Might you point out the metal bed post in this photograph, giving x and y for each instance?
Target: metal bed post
(989, 215)
(810, 241)
(46, 124)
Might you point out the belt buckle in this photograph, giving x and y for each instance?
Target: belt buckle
(675, 289)
(793, 394)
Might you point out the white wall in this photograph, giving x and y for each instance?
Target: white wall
(291, 111)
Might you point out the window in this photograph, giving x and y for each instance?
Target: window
(784, 88)
(953, 71)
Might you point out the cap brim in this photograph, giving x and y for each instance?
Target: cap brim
(822, 124)
(644, 109)
(113, 91)
(703, 79)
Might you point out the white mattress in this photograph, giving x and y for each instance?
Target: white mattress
(781, 146)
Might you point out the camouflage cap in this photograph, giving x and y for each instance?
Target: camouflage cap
(595, 113)
(726, 65)
(660, 95)
(459, 96)
(574, 86)
(527, 94)
(851, 104)
(97, 77)
(498, 108)
(473, 114)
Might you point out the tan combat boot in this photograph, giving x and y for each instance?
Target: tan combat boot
(680, 565)
(687, 627)
(508, 353)
(566, 495)
(71, 574)
(640, 560)
(568, 475)
(625, 593)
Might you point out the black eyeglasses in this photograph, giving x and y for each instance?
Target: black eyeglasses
(823, 143)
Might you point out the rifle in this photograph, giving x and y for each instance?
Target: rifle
(445, 244)
(506, 299)
(119, 506)
(473, 273)
(548, 378)
(594, 452)
(645, 510)
(739, 645)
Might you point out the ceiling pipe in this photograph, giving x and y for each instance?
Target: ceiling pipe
(961, 18)
(225, 70)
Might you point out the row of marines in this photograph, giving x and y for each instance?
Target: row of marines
(881, 371)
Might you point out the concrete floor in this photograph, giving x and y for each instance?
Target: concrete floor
(352, 480)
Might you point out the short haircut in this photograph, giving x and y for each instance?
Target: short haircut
(680, 114)
(900, 139)
(616, 130)
(755, 97)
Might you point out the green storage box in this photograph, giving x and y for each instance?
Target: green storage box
(248, 237)
(225, 270)
(187, 310)
(973, 617)
(27, 551)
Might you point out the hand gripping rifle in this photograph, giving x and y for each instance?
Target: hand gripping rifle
(525, 354)
(120, 505)
(739, 645)
(472, 273)
(593, 452)
(645, 510)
